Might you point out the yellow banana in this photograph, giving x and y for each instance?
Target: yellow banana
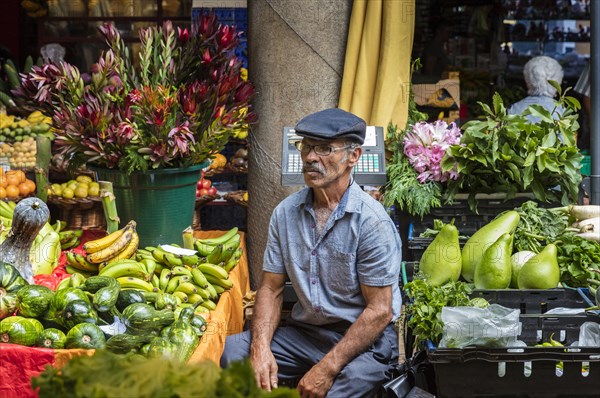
(94, 246)
(209, 305)
(129, 250)
(163, 279)
(84, 265)
(181, 296)
(211, 291)
(112, 250)
(194, 298)
(180, 270)
(172, 260)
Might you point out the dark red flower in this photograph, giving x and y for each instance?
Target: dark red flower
(244, 93)
(183, 34)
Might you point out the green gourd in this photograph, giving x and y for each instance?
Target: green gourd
(441, 262)
(517, 261)
(472, 252)
(541, 271)
(494, 270)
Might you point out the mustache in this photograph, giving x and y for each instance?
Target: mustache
(307, 167)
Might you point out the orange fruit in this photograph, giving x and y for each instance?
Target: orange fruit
(24, 189)
(30, 184)
(21, 175)
(1, 171)
(12, 191)
(2, 193)
(3, 182)
(12, 179)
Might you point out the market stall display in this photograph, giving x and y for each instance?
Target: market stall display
(77, 311)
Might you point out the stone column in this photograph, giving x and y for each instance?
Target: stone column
(296, 57)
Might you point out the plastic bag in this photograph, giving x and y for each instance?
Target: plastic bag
(589, 335)
(494, 327)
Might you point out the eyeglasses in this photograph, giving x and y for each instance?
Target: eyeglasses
(321, 150)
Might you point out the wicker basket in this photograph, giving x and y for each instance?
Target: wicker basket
(79, 213)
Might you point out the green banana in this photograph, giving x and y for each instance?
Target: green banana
(155, 282)
(172, 260)
(214, 270)
(229, 248)
(135, 270)
(186, 287)
(173, 283)
(194, 298)
(181, 296)
(231, 264)
(204, 293)
(5, 210)
(221, 239)
(128, 282)
(70, 243)
(65, 283)
(180, 270)
(212, 293)
(163, 279)
(199, 278)
(159, 255)
(209, 305)
(215, 255)
(219, 289)
(226, 283)
(190, 260)
(149, 265)
(203, 249)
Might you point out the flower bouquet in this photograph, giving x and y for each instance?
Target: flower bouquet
(415, 175)
(182, 101)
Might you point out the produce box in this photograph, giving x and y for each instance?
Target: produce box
(524, 371)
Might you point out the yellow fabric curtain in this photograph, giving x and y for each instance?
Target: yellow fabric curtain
(376, 80)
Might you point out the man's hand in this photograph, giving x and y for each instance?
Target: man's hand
(316, 382)
(265, 369)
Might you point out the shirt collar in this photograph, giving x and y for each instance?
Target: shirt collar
(350, 200)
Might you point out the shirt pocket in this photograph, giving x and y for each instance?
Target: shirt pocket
(341, 273)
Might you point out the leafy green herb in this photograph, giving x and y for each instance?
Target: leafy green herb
(403, 189)
(538, 226)
(425, 308)
(507, 153)
(578, 259)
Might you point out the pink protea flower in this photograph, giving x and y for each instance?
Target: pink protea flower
(425, 146)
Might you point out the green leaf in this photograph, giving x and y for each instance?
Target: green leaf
(541, 112)
(498, 104)
(530, 159)
(549, 140)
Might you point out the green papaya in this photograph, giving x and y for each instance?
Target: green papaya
(472, 252)
(540, 271)
(494, 270)
(441, 262)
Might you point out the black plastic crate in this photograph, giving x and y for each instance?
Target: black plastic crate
(418, 244)
(530, 301)
(524, 371)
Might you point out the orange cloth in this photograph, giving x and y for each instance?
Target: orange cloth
(228, 317)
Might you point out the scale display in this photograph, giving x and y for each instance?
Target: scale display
(370, 169)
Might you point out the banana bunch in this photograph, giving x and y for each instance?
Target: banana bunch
(6, 212)
(224, 250)
(121, 244)
(77, 263)
(132, 274)
(68, 238)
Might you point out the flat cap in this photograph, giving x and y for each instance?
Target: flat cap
(331, 124)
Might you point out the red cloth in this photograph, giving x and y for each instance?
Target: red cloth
(18, 365)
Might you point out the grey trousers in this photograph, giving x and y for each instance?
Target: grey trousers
(299, 346)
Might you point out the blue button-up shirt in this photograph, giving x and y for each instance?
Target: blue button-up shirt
(358, 245)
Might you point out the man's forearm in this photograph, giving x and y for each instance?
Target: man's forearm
(359, 337)
(266, 317)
